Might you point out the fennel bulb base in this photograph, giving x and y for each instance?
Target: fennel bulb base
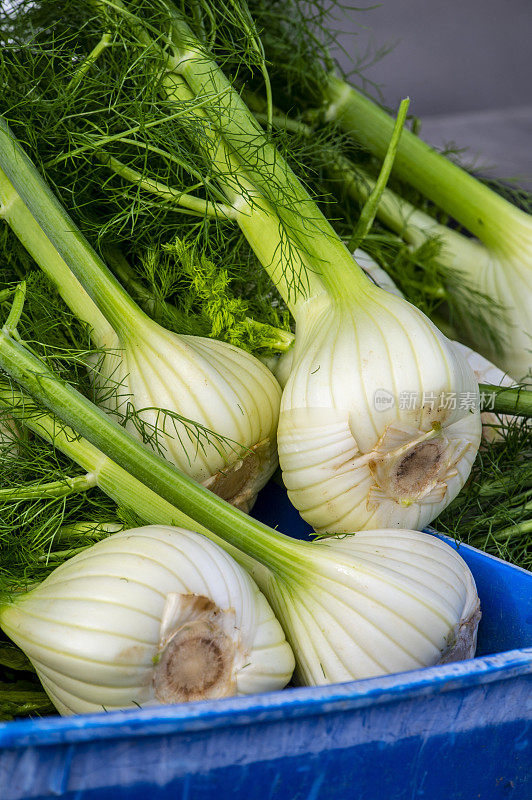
(196, 660)
(464, 643)
(404, 481)
(240, 482)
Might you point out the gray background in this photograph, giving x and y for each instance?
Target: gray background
(467, 67)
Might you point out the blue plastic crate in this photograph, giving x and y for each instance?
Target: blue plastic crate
(460, 731)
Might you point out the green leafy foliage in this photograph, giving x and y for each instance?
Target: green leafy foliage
(494, 509)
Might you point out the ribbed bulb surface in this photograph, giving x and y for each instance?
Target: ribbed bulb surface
(379, 422)
(377, 603)
(228, 392)
(483, 370)
(506, 276)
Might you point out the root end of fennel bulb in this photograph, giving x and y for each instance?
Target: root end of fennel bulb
(380, 420)
(148, 616)
(196, 659)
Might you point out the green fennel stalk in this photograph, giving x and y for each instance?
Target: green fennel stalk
(501, 265)
(103, 433)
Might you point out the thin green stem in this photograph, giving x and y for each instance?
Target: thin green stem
(61, 555)
(61, 488)
(102, 141)
(503, 483)
(506, 400)
(172, 158)
(88, 62)
(370, 208)
(89, 530)
(165, 192)
(517, 502)
(513, 531)
(477, 208)
(16, 309)
(284, 122)
(414, 226)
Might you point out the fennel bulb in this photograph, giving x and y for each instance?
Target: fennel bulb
(211, 407)
(374, 603)
(379, 422)
(208, 406)
(497, 263)
(148, 616)
(354, 607)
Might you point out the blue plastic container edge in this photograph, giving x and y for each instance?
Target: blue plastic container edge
(296, 702)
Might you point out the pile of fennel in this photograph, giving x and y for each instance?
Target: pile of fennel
(374, 603)
(382, 601)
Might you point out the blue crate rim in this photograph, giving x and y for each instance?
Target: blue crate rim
(270, 707)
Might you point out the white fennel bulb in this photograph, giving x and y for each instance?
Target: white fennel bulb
(378, 602)
(211, 407)
(379, 422)
(149, 616)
